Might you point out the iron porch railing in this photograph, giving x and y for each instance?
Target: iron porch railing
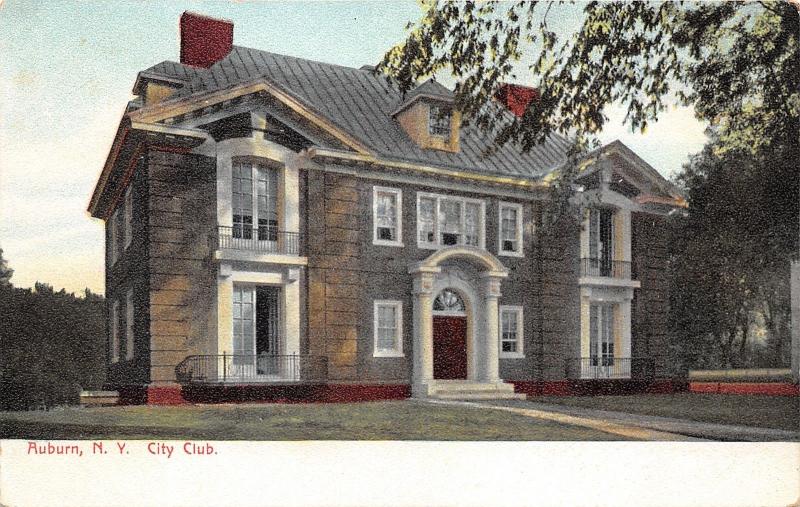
(263, 239)
(241, 368)
(597, 367)
(606, 268)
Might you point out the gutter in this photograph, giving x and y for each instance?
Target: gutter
(313, 153)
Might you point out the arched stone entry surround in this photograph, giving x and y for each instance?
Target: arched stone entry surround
(476, 275)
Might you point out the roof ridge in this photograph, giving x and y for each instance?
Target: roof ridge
(319, 62)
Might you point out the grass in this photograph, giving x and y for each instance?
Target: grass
(392, 420)
(780, 412)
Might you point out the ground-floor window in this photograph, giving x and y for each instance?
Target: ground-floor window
(388, 328)
(511, 331)
(129, 325)
(115, 331)
(256, 327)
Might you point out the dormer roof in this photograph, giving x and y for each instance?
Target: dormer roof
(429, 89)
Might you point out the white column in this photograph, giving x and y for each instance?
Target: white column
(423, 331)
(625, 317)
(291, 308)
(224, 311)
(490, 371)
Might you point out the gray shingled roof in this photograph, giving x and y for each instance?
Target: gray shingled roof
(361, 103)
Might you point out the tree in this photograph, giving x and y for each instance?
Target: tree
(737, 63)
(5, 271)
(729, 267)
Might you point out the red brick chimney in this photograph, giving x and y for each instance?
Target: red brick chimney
(516, 97)
(204, 40)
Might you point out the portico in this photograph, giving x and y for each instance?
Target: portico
(474, 275)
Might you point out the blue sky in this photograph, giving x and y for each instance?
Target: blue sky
(67, 72)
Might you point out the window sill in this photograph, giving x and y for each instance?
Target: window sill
(433, 246)
(383, 242)
(511, 254)
(512, 355)
(388, 354)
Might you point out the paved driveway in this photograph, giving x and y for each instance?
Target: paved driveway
(636, 426)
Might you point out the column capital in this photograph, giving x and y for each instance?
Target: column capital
(492, 287)
(423, 283)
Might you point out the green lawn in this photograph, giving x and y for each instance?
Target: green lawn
(393, 420)
(781, 412)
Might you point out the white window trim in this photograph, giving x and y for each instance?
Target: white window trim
(128, 217)
(114, 237)
(437, 197)
(398, 351)
(399, 216)
(520, 353)
(129, 325)
(115, 332)
(520, 252)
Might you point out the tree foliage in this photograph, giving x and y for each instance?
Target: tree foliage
(730, 260)
(5, 272)
(52, 344)
(737, 63)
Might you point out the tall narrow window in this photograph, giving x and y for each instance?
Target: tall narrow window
(115, 331)
(388, 328)
(128, 215)
(601, 335)
(113, 240)
(439, 121)
(601, 243)
(426, 221)
(472, 223)
(243, 324)
(267, 200)
(511, 331)
(242, 202)
(254, 201)
(510, 241)
(444, 221)
(450, 223)
(129, 325)
(387, 204)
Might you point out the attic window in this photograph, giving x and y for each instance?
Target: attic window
(439, 121)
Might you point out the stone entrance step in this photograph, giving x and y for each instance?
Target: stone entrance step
(472, 390)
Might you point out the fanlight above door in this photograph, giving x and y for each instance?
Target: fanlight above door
(448, 301)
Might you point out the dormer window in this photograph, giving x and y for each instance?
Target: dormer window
(428, 117)
(439, 121)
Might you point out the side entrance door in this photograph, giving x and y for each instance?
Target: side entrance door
(449, 347)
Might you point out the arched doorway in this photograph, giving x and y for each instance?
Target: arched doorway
(449, 336)
(473, 275)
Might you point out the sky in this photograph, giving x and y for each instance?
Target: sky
(66, 75)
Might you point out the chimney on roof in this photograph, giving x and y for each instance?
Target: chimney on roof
(204, 40)
(516, 97)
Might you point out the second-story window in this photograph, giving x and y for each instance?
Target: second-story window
(114, 239)
(387, 216)
(128, 216)
(445, 221)
(601, 242)
(439, 121)
(255, 201)
(510, 241)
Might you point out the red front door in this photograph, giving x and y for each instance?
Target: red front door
(449, 347)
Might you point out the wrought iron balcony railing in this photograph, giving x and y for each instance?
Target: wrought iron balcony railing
(263, 239)
(264, 368)
(605, 268)
(597, 367)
